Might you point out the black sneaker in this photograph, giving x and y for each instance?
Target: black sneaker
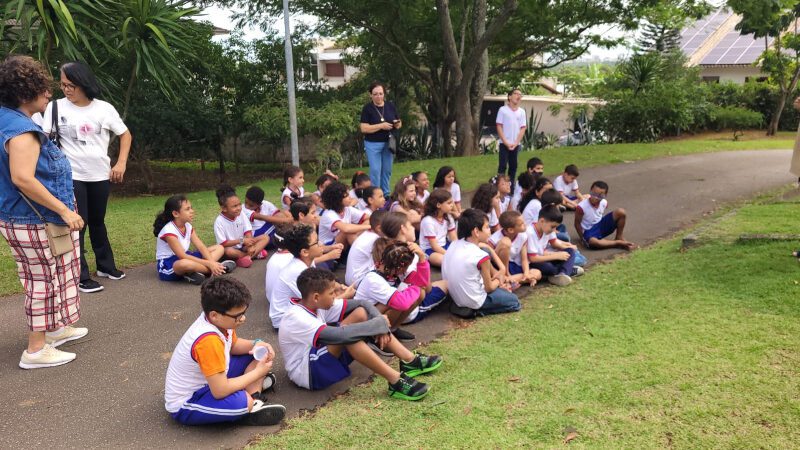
(263, 414)
(403, 335)
(268, 385)
(195, 278)
(229, 266)
(90, 286)
(112, 274)
(421, 364)
(408, 388)
(374, 346)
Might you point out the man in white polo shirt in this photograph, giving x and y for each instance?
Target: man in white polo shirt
(511, 124)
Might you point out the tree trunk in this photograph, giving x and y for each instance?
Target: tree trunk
(465, 133)
(236, 153)
(129, 92)
(140, 156)
(776, 116)
(221, 156)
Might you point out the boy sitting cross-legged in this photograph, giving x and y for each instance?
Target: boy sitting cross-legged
(212, 376)
(477, 288)
(554, 258)
(593, 226)
(321, 335)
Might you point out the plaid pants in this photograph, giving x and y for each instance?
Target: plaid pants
(50, 282)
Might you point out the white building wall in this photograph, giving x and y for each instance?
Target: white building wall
(736, 74)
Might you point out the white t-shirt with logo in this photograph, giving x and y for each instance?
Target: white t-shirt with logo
(85, 132)
(455, 191)
(532, 210)
(163, 250)
(591, 215)
(266, 209)
(375, 288)
(285, 289)
(287, 195)
(329, 218)
(461, 269)
(431, 227)
(359, 260)
(537, 243)
(512, 122)
(568, 189)
(492, 216)
(226, 229)
(515, 254)
(425, 195)
(298, 335)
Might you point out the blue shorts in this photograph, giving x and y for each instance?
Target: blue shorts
(433, 299)
(514, 268)
(429, 251)
(267, 228)
(204, 409)
(165, 270)
(606, 226)
(325, 369)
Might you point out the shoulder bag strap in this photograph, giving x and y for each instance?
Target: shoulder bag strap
(24, 197)
(54, 136)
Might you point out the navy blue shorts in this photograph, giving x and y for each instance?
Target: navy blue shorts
(514, 268)
(204, 409)
(165, 270)
(433, 299)
(267, 228)
(606, 226)
(429, 251)
(325, 369)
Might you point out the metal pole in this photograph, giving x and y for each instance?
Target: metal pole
(290, 84)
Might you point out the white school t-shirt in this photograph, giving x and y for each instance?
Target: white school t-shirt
(85, 133)
(327, 230)
(266, 209)
(299, 333)
(492, 216)
(505, 200)
(288, 193)
(461, 269)
(567, 189)
(423, 197)
(226, 229)
(163, 250)
(531, 212)
(515, 254)
(374, 288)
(537, 243)
(431, 227)
(359, 260)
(276, 263)
(591, 215)
(360, 205)
(455, 191)
(512, 122)
(285, 289)
(516, 198)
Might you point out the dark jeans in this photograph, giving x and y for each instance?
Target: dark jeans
(92, 200)
(509, 158)
(551, 268)
(499, 301)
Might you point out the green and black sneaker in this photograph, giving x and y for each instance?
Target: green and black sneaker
(408, 388)
(420, 364)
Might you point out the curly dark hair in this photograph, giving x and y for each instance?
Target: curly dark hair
(482, 199)
(22, 79)
(395, 258)
(333, 196)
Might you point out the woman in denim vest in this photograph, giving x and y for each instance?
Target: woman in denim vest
(32, 165)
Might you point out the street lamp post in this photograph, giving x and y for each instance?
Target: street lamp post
(290, 84)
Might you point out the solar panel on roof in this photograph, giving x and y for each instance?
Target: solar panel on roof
(735, 48)
(697, 33)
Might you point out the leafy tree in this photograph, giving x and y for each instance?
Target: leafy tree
(775, 19)
(661, 31)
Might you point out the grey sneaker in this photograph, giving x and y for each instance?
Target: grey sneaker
(64, 335)
(577, 271)
(195, 278)
(229, 266)
(561, 279)
(49, 356)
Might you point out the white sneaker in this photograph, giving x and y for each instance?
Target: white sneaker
(66, 334)
(48, 357)
(561, 279)
(577, 271)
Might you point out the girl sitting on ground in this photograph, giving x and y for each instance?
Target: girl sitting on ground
(422, 182)
(503, 183)
(174, 260)
(372, 197)
(438, 228)
(340, 223)
(487, 199)
(234, 232)
(525, 183)
(405, 200)
(446, 179)
(360, 180)
(322, 182)
(531, 203)
(293, 181)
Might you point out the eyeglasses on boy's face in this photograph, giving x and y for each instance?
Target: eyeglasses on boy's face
(596, 195)
(236, 317)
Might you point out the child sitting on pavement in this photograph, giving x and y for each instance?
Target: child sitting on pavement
(593, 226)
(213, 376)
(567, 185)
(234, 232)
(554, 258)
(510, 243)
(262, 213)
(321, 335)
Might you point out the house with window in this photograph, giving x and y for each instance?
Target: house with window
(331, 69)
(720, 51)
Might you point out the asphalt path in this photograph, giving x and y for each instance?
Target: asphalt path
(112, 395)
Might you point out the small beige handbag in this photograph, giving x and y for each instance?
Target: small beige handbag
(59, 237)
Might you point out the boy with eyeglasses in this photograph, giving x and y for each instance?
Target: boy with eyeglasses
(593, 225)
(213, 376)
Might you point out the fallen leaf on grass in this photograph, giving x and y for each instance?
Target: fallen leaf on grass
(550, 307)
(570, 437)
(467, 410)
(587, 330)
(376, 405)
(514, 379)
(569, 410)
(438, 402)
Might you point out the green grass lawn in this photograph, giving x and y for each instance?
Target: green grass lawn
(129, 220)
(663, 348)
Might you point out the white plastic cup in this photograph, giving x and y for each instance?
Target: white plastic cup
(260, 352)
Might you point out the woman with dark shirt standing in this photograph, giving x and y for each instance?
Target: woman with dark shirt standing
(378, 119)
(32, 165)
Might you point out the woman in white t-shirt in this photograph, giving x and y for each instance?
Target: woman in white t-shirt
(85, 125)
